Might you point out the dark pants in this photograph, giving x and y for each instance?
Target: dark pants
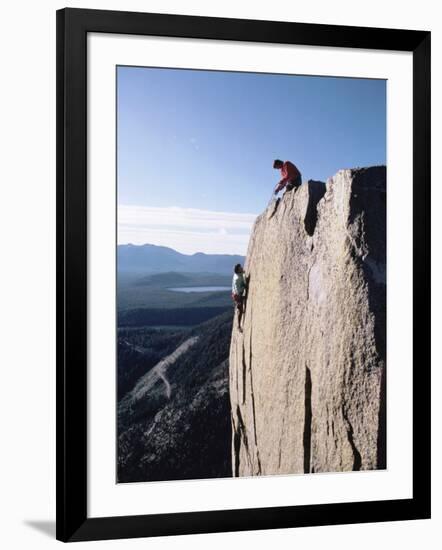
(239, 301)
(294, 183)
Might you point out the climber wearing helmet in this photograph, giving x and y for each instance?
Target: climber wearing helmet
(290, 175)
(239, 287)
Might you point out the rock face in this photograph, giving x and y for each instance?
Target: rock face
(307, 374)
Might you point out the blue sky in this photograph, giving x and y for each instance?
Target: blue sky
(195, 148)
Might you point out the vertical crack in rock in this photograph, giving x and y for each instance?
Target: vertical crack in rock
(239, 435)
(316, 190)
(244, 364)
(280, 440)
(254, 423)
(357, 460)
(236, 444)
(252, 395)
(236, 370)
(244, 367)
(307, 439)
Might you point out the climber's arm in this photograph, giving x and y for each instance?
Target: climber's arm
(279, 186)
(284, 180)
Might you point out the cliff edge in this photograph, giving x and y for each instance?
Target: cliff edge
(307, 374)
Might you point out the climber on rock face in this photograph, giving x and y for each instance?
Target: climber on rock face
(239, 287)
(290, 175)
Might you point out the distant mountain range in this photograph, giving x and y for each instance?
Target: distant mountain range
(149, 258)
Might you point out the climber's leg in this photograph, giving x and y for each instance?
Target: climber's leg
(289, 187)
(241, 311)
(240, 307)
(294, 184)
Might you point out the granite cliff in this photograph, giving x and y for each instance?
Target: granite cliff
(307, 374)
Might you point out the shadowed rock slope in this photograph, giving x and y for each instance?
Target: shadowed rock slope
(174, 421)
(307, 375)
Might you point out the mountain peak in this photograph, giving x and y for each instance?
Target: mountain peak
(150, 258)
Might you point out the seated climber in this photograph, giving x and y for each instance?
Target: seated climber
(291, 176)
(239, 287)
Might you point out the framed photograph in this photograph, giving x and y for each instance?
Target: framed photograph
(243, 274)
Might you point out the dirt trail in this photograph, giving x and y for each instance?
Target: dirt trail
(159, 371)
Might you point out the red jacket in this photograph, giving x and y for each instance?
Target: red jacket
(289, 172)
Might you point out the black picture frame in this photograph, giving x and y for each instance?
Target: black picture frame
(73, 25)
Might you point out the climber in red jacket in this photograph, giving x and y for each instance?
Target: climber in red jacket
(290, 175)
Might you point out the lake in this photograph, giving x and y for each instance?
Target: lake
(200, 289)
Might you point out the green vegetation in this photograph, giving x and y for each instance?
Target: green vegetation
(140, 349)
(186, 436)
(181, 316)
(173, 279)
(151, 291)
